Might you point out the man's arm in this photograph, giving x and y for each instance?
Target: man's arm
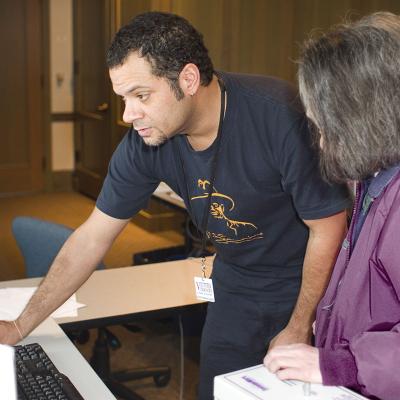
(75, 262)
(325, 238)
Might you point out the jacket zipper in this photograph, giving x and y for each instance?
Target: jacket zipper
(348, 246)
(354, 217)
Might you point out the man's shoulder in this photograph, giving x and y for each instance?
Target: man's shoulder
(265, 88)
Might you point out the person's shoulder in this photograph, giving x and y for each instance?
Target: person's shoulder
(390, 200)
(272, 90)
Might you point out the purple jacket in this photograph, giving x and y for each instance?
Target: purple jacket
(358, 319)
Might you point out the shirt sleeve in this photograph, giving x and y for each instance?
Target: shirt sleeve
(374, 355)
(130, 180)
(298, 162)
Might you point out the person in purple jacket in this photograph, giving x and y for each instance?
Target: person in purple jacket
(350, 85)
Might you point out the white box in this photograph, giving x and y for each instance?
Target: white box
(257, 383)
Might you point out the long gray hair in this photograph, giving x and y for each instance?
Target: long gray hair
(349, 82)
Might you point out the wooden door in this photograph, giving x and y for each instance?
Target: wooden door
(21, 99)
(92, 94)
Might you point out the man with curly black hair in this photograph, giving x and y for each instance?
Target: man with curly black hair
(236, 149)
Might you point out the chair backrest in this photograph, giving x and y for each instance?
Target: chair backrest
(39, 242)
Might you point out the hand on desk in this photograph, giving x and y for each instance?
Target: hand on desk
(290, 336)
(9, 333)
(295, 361)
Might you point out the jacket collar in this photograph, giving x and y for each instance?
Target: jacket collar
(381, 180)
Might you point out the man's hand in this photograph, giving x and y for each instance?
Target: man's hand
(9, 333)
(295, 361)
(290, 336)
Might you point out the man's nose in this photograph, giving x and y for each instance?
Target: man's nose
(131, 113)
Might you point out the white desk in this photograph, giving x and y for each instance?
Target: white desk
(116, 293)
(108, 294)
(132, 290)
(68, 360)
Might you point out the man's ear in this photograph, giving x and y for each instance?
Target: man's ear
(189, 79)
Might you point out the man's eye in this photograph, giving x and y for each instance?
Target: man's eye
(143, 96)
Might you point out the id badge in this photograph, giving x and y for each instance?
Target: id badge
(204, 289)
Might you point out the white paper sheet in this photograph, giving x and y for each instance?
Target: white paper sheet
(8, 390)
(14, 300)
(258, 383)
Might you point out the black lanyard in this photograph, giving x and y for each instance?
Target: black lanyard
(214, 163)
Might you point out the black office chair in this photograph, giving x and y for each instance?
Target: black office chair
(39, 242)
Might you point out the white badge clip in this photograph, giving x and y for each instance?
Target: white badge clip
(204, 286)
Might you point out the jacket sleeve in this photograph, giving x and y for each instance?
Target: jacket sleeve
(338, 367)
(377, 356)
(371, 360)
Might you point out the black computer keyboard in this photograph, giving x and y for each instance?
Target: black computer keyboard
(38, 378)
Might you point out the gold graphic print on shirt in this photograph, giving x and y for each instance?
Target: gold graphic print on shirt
(221, 206)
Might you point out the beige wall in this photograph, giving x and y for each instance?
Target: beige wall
(61, 83)
(257, 36)
(62, 146)
(254, 36)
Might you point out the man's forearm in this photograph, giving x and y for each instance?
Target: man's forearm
(72, 267)
(322, 249)
(317, 270)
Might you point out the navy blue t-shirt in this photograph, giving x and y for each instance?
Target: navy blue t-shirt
(267, 181)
